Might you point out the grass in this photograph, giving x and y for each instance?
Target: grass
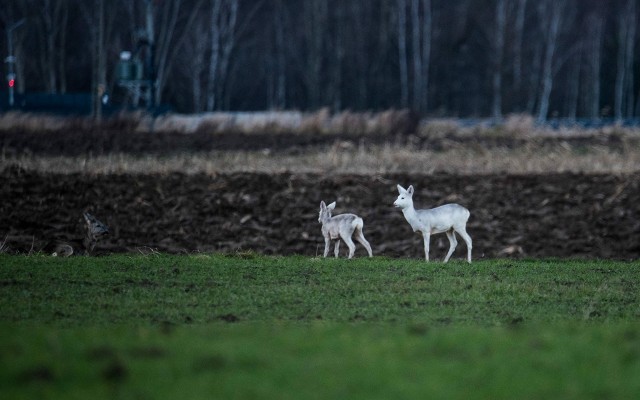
(249, 326)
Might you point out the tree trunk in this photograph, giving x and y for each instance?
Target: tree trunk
(426, 53)
(551, 37)
(215, 55)
(280, 56)
(360, 11)
(517, 51)
(496, 107)
(228, 43)
(336, 66)
(223, 25)
(417, 56)
(624, 69)
(101, 63)
(50, 27)
(402, 53)
(629, 55)
(195, 64)
(594, 62)
(62, 53)
(164, 47)
(315, 19)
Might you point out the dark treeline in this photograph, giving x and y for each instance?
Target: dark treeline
(463, 58)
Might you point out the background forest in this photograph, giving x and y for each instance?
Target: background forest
(464, 58)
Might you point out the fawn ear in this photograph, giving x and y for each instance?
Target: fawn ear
(401, 189)
(322, 205)
(410, 190)
(332, 206)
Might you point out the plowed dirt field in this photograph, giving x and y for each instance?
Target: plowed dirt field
(551, 215)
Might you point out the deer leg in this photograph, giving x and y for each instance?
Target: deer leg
(464, 235)
(360, 238)
(350, 244)
(327, 242)
(337, 249)
(453, 242)
(426, 236)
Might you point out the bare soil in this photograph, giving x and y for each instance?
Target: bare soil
(553, 215)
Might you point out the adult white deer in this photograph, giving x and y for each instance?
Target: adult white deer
(341, 226)
(449, 218)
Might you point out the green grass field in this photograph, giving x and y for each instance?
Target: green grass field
(249, 326)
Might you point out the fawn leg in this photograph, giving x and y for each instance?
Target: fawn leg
(360, 238)
(453, 242)
(350, 244)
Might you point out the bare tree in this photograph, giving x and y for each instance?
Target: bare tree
(594, 62)
(338, 44)
(101, 68)
(402, 53)
(93, 13)
(194, 67)
(443, 57)
(53, 17)
(223, 24)
(550, 16)
(278, 77)
(315, 22)
(426, 52)
(418, 79)
(361, 16)
(12, 16)
(498, 50)
(421, 51)
(624, 64)
(517, 51)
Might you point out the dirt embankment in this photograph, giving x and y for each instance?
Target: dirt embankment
(87, 142)
(556, 215)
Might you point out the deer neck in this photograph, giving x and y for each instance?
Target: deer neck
(88, 243)
(411, 216)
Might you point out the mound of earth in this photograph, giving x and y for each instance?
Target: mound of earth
(96, 142)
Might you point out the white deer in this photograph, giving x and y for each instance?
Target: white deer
(449, 218)
(343, 227)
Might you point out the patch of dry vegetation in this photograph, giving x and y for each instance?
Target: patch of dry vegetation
(460, 154)
(344, 157)
(388, 122)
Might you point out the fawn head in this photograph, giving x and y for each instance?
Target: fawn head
(405, 197)
(325, 211)
(95, 228)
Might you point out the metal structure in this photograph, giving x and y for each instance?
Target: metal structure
(11, 60)
(136, 77)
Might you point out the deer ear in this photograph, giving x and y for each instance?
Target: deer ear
(410, 190)
(332, 206)
(401, 189)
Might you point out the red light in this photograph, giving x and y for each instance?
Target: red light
(12, 82)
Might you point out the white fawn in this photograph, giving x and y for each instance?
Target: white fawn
(449, 218)
(342, 226)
